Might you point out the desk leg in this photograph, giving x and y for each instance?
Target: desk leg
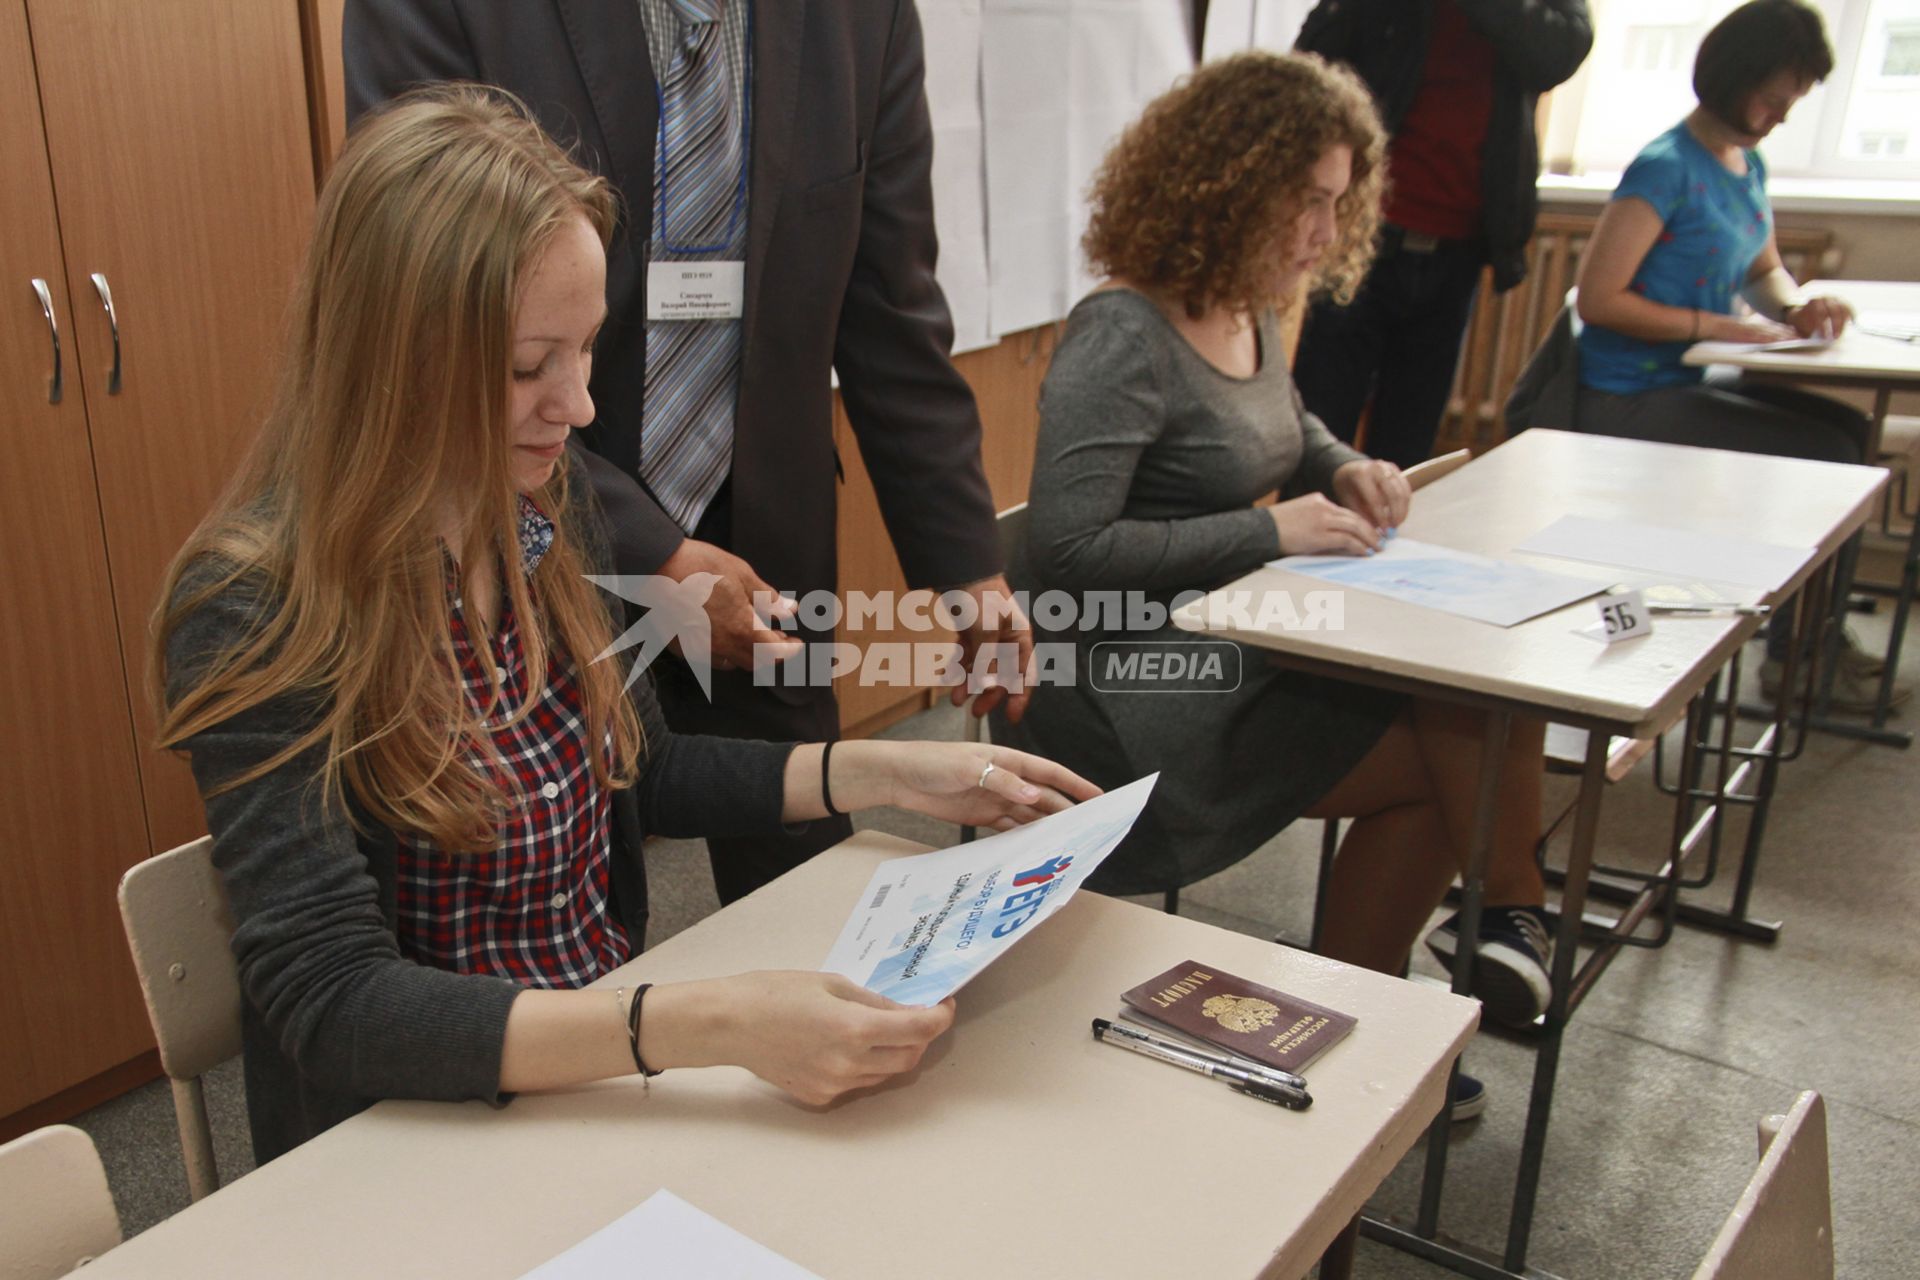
(1902, 603)
(1546, 1064)
(1337, 1262)
(1829, 643)
(1493, 746)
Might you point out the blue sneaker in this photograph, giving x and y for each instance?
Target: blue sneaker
(1469, 1097)
(1510, 974)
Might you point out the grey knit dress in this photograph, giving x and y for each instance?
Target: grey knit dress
(1147, 463)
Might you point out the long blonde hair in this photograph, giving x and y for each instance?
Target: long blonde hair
(390, 417)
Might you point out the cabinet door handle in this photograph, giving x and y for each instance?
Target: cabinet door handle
(53, 332)
(105, 291)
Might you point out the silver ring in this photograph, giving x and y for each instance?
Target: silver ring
(982, 782)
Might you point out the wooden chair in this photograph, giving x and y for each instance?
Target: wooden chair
(56, 1213)
(1782, 1226)
(179, 928)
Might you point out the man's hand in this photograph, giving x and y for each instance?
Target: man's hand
(738, 630)
(994, 619)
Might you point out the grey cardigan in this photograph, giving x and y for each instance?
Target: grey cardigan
(334, 1018)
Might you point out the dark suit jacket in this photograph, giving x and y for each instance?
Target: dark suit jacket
(840, 263)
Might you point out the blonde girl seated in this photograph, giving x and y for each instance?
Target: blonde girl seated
(427, 793)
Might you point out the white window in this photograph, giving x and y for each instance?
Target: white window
(1659, 50)
(1864, 122)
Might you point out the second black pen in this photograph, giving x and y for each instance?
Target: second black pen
(1240, 1081)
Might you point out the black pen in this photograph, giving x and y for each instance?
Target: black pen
(1711, 610)
(1226, 1058)
(1239, 1081)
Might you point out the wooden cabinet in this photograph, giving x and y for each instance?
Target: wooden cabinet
(157, 154)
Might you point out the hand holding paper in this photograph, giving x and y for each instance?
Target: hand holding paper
(978, 784)
(815, 1035)
(927, 924)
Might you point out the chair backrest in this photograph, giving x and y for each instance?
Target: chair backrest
(1548, 388)
(1782, 1227)
(1422, 474)
(179, 928)
(56, 1212)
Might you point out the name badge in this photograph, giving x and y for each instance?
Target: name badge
(696, 290)
(1625, 616)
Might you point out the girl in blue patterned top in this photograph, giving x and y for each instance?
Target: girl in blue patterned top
(1688, 228)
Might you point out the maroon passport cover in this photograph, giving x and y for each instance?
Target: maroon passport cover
(1240, 1016)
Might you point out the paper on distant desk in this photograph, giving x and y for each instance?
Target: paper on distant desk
(1735, 352)
(927, 924)
(668, 1239)
(1901, 326)
(1457, 582)
(1679, 552)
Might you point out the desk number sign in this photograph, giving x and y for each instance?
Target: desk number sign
(1625, 616)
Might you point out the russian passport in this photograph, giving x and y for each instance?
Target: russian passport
(1241, 1017)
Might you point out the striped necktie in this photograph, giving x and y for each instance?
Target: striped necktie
(686, 439)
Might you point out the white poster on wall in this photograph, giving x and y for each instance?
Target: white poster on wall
(952, 34)
(1024, 91)
(1234, 25)
(1059, 80)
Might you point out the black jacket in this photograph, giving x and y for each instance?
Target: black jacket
(1537, 45)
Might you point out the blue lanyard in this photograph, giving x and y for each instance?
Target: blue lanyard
(746, 158)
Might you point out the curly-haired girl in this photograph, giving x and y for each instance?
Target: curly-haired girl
(1167, 413)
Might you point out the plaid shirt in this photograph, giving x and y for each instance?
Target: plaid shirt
(534, 909)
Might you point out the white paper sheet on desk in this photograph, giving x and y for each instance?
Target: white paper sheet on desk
(668, 1239)
(927, 924)
(1678, 552)
(1799, 344)
(1901, 326)
(1457, 582)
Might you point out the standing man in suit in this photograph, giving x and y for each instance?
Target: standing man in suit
(1456, 82)
(774, 161)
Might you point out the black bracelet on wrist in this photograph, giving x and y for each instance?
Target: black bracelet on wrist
(826, 783)
(633, 1029)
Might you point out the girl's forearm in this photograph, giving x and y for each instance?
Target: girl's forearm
(861, 779)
